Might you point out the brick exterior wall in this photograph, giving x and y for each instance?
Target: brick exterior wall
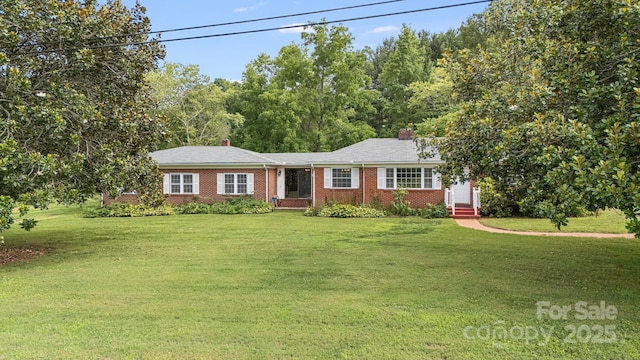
(417, 198)
(368, 178)
(208, 186)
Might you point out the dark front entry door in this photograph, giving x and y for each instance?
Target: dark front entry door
(298, 183)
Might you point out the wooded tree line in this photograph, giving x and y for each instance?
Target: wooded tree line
(320, 94)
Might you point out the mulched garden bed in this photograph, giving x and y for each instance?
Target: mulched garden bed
(11, 255)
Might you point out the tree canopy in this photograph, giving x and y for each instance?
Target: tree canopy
(74, 107)
(309, 97)
(552, 107)
(195, 107)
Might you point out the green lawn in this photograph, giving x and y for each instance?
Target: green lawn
(609, 221)
(285, 286)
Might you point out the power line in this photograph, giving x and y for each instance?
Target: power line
(235, 33)
(323, 22)
(275, 17)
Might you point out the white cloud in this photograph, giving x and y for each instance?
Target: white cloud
(295, 28)
(250, 8)
(383, 29)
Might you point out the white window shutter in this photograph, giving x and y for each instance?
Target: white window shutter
(166, 184)
(196, 183)
(437, 181)
(355, 178)
(249, 183)
(382, 178)
(220, 183)
(328, 178)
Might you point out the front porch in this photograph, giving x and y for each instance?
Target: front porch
(294, 188)
(470, 206)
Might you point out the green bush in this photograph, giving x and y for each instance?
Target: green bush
(312, 211)
(493, 202)
(128, 210)
(434, 211)
(193, 207)
(345, 211)
(400, 206)
(241, 205)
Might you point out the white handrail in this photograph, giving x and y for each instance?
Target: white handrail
(476, 201)
(450, 200)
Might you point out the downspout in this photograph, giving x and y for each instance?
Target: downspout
(313, 186)
(266, 182)
(363, 185)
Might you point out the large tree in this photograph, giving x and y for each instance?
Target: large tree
(407, 64)
(271, 112)
(552, 107)
(196, 108)
(73, 102)
(311, 97)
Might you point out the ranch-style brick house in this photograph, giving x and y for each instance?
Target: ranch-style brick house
(363, 173)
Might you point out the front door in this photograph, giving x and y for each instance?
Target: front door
(298, 183)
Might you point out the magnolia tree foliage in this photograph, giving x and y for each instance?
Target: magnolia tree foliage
(552, 107)
(73, 108)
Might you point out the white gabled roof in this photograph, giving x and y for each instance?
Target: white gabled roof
(367, 152)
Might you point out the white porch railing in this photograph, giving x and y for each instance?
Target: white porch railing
(476, 201)
(450, 200)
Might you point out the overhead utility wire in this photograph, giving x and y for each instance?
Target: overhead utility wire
(320, 22)
(275, 17)
(264, 29)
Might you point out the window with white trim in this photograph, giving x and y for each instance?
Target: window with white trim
(341, 178)
(235, 183)
(428, 178)
(407, 178)
(181, 183)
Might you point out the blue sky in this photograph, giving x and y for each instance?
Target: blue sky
(226, 57)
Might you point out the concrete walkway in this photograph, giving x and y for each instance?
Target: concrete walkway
(476, 225)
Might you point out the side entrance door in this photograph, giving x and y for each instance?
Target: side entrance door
(463, 193)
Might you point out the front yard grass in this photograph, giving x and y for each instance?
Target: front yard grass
(286, 286)
(608, 221)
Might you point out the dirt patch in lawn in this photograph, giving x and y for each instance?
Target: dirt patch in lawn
(12, 255)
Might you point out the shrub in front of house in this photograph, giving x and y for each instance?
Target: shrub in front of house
(241, 205)
(399, 206)
(193, 207)
(434, 211)
(128, 210)
(345, 211)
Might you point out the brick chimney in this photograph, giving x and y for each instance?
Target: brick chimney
(226, 142)
(405, 134)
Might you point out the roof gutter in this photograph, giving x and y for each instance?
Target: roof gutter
(266, 183)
